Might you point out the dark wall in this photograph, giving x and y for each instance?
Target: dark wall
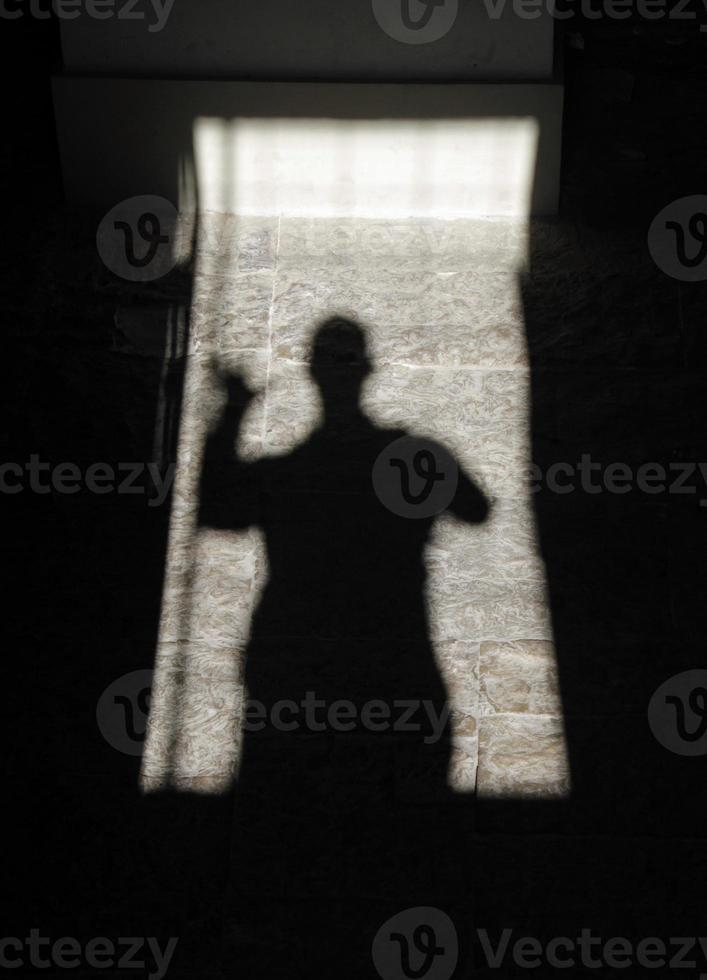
(316, 40)
(85, 573)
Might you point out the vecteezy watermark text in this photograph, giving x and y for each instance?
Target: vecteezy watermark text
(155, 12)
(42, 477)
(593, 477)
(101, 953)
(123, 708)
(597, 9)
(423, 942)
(426, 21)
(315, 714)
(592, 952)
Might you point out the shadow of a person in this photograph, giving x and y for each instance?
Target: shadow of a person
(342, 804)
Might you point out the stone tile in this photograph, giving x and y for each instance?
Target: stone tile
(194, 722)
(217, 663)
(209, 737)
(492, 454)
(463, 762)
(427, 400)
(231, 312)
(503, 469)
(446, 406)
(222, 599)
(472, 343)
(509, 544)
(464, 724)
(293, 407)
(458, 662)
(519, 677)
(481, 395)
(210, 601)
(442, 309)
(460, 409)
(416, 317)
(487, 438)
(503, 548)
(204, 396)
(522, 756)
(414, 243)
(230, 550)
(229, 244)
(485, 610)
(209, 711)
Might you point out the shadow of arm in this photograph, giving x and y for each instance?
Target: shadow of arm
(469, 504)
(229, 487)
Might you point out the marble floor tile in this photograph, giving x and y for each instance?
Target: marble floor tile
(422, 243)
(518, 677)
(458, 662)
(441, 306)
(468, 343)
(383, 300)
(227, 244)
(194, 726)
(460, 607)
(522, 755)
(204, 395)
(460, 409)
(212, 605)
(481, 395)
(231, 312)
(464, 763)
(209, 735)
(294, 407)
(503, 548)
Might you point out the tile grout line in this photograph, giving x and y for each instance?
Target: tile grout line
(470, 368)
(270, 328)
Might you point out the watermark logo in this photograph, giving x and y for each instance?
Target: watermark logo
(415, 477)
(677, 239)
(677, 713)
(417, 944)
(122, 711)
(415, 21)
(135, 240)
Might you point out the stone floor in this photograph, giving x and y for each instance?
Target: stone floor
(594, 351)
(617, 356)
(440, 304)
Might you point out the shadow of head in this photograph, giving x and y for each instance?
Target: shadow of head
(339, 362)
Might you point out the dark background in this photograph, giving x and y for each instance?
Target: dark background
(618, 370)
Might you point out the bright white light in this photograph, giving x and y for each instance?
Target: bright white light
(442, 168)
(375, 168)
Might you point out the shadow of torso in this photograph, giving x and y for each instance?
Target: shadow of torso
(343, 813)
